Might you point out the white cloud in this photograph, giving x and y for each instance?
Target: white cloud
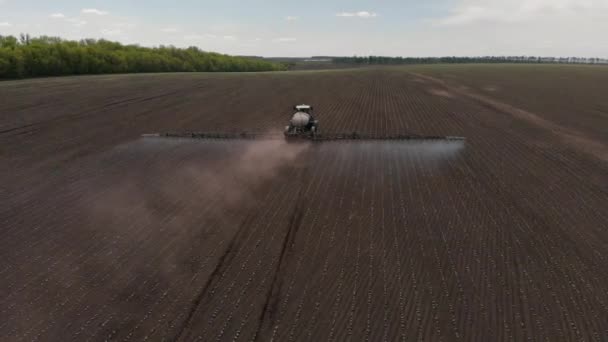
(94, 11)
(471, 11)
(5, 24)
(229, 37)
(291, 18)
(57, 15)
(515, 27)
(284, 40)
(170, 30)
(360, 14)
(111, 32)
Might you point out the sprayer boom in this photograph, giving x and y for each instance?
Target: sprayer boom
(316, 138)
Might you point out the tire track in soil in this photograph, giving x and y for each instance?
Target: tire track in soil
(274, 206)
(262, 284)
(227, 263)
(272, 298)
(225, 259)
(319, 175)
(306, 304)
(267, 197)
(321, 180)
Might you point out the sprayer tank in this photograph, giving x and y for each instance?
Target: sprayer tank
(300, 119)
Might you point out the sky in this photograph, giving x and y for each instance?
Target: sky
(327, 27)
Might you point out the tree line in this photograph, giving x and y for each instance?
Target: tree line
(378, 60)
(52, 56)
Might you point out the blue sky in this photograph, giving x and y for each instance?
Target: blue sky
(338, 27)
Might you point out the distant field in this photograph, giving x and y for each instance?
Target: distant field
(108, 236)
(573, 96)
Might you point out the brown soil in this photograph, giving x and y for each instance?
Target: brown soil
(568, 135)
(441, 92)
(108, 236)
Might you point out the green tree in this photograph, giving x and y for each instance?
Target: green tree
(52, 56)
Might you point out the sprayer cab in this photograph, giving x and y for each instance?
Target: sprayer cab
(303, 108)
(302, 123)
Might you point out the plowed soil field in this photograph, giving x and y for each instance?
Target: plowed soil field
(105, 235)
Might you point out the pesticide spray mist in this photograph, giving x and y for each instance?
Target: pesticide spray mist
(199, 190)
(189, 173)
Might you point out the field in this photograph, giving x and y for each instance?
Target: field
(108, 236)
